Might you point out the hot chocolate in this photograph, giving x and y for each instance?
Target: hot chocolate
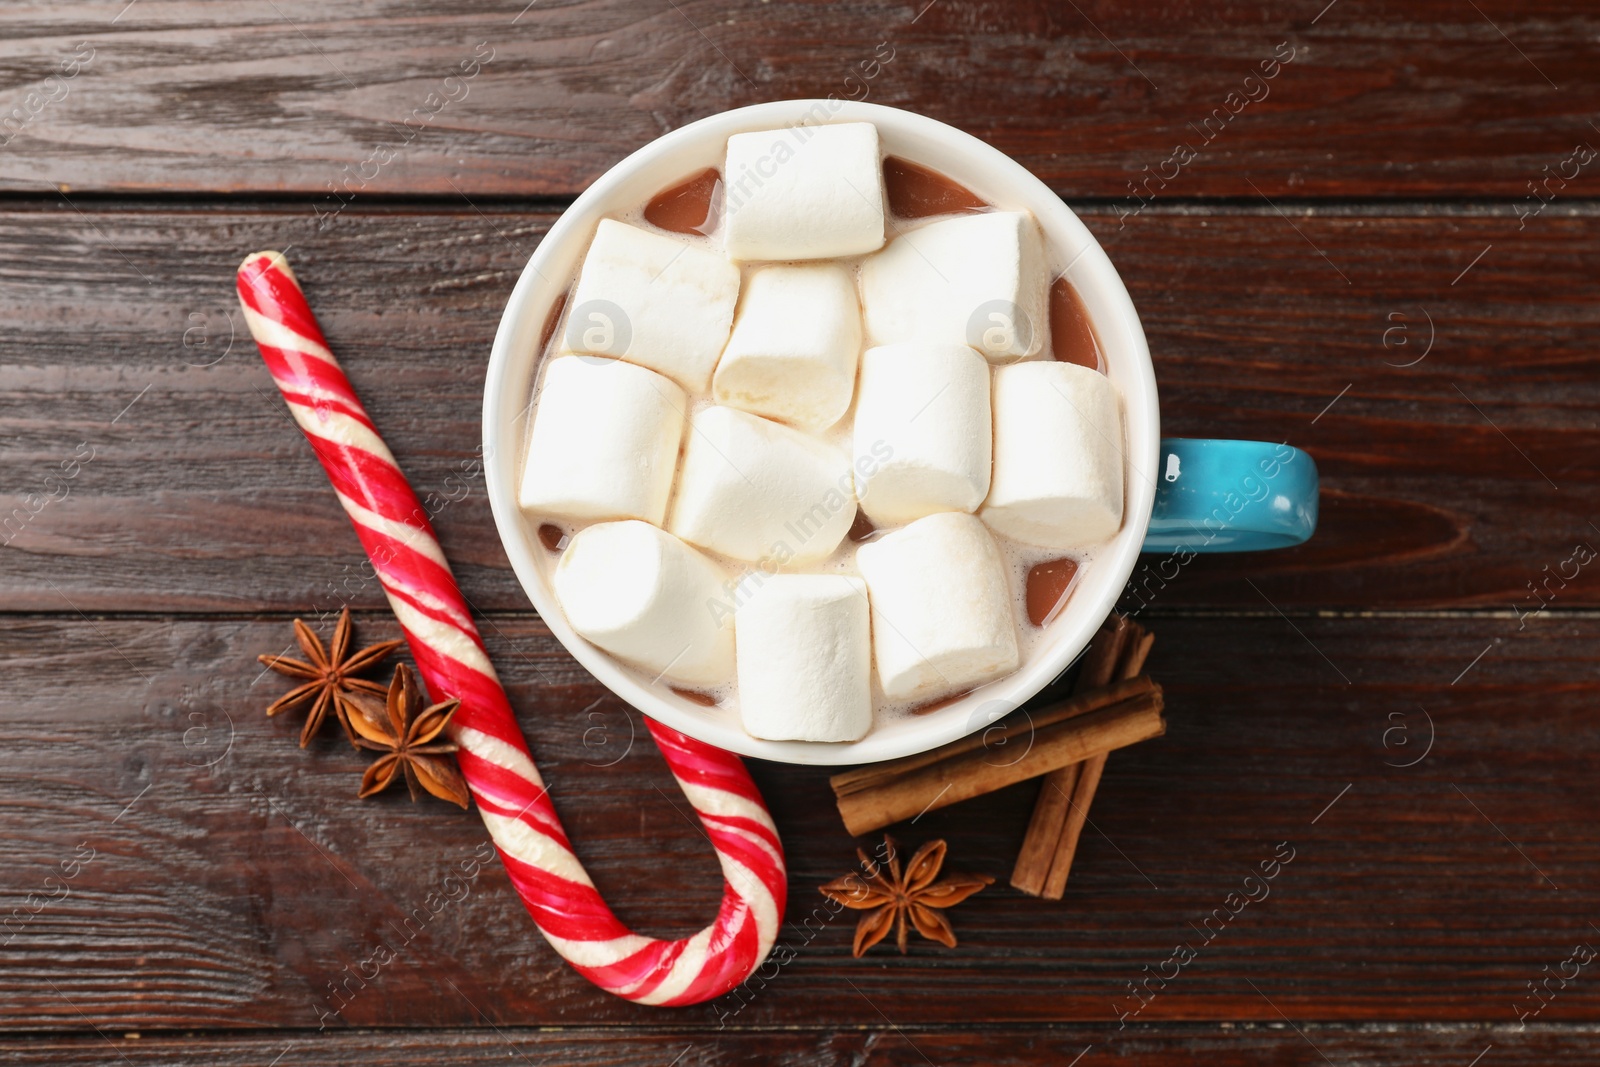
(854, 428)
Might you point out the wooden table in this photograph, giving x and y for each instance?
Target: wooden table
(1389, 258)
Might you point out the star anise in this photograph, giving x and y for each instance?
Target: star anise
(332, 674)
(409, 741)
(889, 898)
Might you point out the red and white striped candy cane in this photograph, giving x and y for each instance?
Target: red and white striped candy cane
(395, 531)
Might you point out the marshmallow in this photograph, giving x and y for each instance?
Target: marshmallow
(941, 609)
(604, 442)
(805, 192)
(922, 434)
(1057, 455)
(649, 599)
(759, 491)
(977, 280)
(804, 653)
(792, 356)
(653, 300)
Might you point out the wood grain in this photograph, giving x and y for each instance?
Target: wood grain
(1361, 263)
(1381, 98)
(234, 876)
(1448, 484)
(1371, 1046)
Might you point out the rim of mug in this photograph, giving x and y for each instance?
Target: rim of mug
(513, 362)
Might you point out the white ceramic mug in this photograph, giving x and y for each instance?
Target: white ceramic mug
(991, 175)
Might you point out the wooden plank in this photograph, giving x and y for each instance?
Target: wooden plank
(201, 496)
(1380, 98)
(234, 877)
(1154, 1046)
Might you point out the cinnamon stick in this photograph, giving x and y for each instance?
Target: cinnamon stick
(1066, 846)
(1105, 653)
(1044, 829)
(1003, 732)
(1046, 856)
(1135, 652)
(1051, 809)
(974, 773)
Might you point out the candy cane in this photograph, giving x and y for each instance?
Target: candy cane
(399, 540)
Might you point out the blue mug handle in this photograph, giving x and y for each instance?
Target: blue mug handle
(1232, 496)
